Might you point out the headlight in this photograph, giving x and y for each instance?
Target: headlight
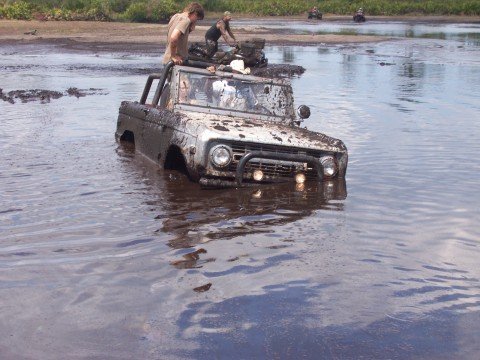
(330, 167)
(221, 156)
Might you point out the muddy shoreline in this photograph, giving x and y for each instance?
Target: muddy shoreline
(150, 38)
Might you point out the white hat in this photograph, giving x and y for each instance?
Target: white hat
(239, 65)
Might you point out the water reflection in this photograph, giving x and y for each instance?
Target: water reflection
(349, 69)
(434, 30)
(98, 240)
(204, 216)
(197, 216)
(323, 50)
(288, 55)
(472, 39)
(410, 84)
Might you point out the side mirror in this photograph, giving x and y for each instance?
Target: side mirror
(303, 112)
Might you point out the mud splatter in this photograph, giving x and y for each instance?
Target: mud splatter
(73, 91)
(221, 128)
(203, 288)
(276, 247)
(276, 137)
(5, 97)
(279, 71)
(45, 96)
(189, 260)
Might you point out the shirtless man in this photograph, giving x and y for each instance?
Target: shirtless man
(220, 28)
(179, 27)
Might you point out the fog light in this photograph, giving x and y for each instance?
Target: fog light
(300, 178)
(258, 175)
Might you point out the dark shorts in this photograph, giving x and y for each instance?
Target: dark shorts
(211, 47)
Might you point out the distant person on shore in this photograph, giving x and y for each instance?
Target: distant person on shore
(179, 27)
(220, 28)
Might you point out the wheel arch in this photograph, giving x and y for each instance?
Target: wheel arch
(175, 160)
(127, 136)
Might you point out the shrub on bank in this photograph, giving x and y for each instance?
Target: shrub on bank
(18, 10)
(151, 11)
(346, 7)
(67, 15)
(96, 10)
(119, 6)
(401, 7)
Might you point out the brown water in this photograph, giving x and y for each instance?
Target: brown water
(95, 239)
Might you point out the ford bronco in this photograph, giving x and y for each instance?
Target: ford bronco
(228, 130)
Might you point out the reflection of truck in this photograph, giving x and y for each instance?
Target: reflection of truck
(258, 205)
(226, 129)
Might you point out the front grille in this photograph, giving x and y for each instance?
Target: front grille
(273, 168)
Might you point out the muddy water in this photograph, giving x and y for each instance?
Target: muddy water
(400, 29)
(101, 251)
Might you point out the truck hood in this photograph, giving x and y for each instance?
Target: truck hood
(209, 126)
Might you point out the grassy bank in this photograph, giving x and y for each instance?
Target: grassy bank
(161, 10)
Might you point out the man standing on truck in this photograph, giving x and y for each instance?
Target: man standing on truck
(179, 27)
(220, 28)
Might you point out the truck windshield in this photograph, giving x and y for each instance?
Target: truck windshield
(235, 95)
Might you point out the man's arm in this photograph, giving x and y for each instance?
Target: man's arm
(221, 27)
(231, 34)
(173, 46)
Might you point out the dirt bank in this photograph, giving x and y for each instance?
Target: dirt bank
(150, 38)
(134, 37)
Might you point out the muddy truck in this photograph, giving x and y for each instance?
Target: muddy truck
(227, 129)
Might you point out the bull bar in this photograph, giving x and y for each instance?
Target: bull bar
(276, 156)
